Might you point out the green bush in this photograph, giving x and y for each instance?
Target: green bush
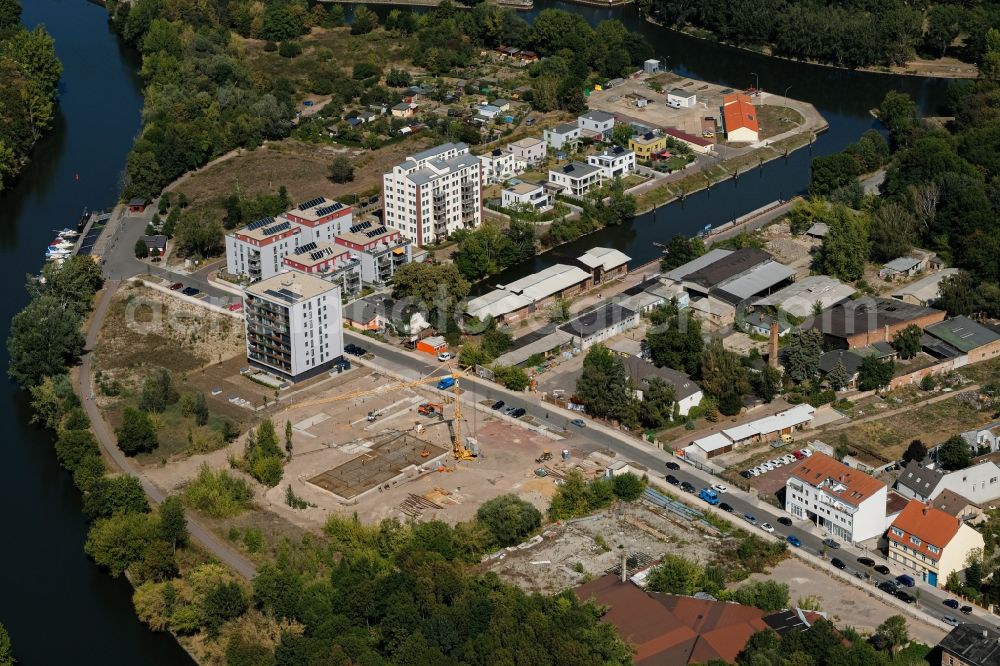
(509, 519)
(628, 487)
(217, 493)
(289, 49)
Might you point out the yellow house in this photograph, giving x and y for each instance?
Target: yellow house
(647, 145)
(931, 542)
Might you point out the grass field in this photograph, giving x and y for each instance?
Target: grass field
(775, 120)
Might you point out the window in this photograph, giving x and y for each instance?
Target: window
(898, 532)
(915, 541)
(933, 549)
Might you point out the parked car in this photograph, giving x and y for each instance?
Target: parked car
(672, 465)
(687, 487)
(746, 474)
(788, 458)
(756, 471)
(767, 527)
(725, 507)
(176, 285)
(719, 488)
(672, 480)
(190, 291)
(518, 413)
(794, 540)
(866, 561)
(579, 423)
(786, 521)
(948, 619)
(967, 610)
(830, 543)
(750, 518)
(905, 596)
(509, 410)
(798, 455)
(951, 603)
(806, 452)
(882, 569)
(353, 350)
(498, 405)
(839, 563)
(906, 580)
(888, 586)
(444, 356)
(235, 307)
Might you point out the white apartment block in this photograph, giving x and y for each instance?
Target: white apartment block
(531, 150)
(434, 193)
(562, 136)
(331, 262)
(576, 178)
(258, 250)
(845, 502)
(596, 122)
(614, 162)
(294, 324)
(380, 250)
(500, 165)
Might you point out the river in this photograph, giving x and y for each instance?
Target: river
(58, 607)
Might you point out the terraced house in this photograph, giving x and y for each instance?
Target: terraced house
(931, 542)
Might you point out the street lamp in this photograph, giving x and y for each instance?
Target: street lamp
(786, 91)
(757, 82)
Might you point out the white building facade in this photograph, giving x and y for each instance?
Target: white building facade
(614, 162)
(500, 165)
(434, 193)
(526, 194)
(294, 324)
(562, 136)
(531, 150)
(596, 122)
(576, 178)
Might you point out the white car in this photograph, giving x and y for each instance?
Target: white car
(719, 488)
(444, 356)
(806, 452)
(789, 459)
(756, 471)
(767, 528)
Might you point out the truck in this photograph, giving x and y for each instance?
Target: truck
(446, 383)
(430, 409)
(709, 496)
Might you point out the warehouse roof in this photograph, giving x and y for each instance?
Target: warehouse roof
(794, 416)
(925, 289)
(605, 257)
(800, 297)
(728, 267)
(758, 279)
(597, 320)
(962, 333)
(713, 442)
(543, 345)
(496, 303)
(902, 264)
(866, 314)
(539, 286)
(707, 259)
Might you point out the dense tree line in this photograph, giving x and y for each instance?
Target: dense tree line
(29, 80)
(489, 249)
(843, 33)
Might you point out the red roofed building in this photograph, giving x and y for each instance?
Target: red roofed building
(930, 541)
(669, 629)
(740, 118)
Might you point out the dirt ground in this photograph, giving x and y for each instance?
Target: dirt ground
(844, 604)
(794, 251)
(568, 553)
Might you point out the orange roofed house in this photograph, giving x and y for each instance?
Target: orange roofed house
(930, 541)
(740, 118)
(670, 630)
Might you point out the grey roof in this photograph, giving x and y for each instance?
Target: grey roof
(437, 150)
(158, 241)
(426, 175)
(762, 320)
(137, 201)
(865, 314)
(579, 169)
(728, 267)
(921, 480)
(641, 372)
(818, 229)
(758, 279)
(962, 333)
(402, 106)
(365, 309)
(564, 128)
(975, 644)
(799, 297)
(697, 264)
(543, 345)
(937, 348)
(680, 92)
(851, 361)
(597, 116)
(901, 264)
(487, 108)
(597, 320)
(925, 289)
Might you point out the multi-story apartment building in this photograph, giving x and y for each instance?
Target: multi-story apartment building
(257, 251)
(931, 542)
(331, 262)
(380, 250)
(970, 644)
(499, 165)
(434, 193)
(846, 502)
(294, 324)
(576, 178)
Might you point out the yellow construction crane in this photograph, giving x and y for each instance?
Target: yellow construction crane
(459, 450)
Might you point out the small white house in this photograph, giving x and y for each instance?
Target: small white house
(614, 162)
(488, 111)
(651, 66)
(530, 149)
(499, 165)
(564, 135)
(533, 195)
(576, 178)
(596, 122)
(681, 99)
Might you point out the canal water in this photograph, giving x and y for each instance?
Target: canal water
(58, 607)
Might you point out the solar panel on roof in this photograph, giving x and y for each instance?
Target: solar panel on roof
(361, 226)
(376, 232)
(325, 252)
(326, 210)
(278, 227)
(311, 203)
(262, 222)
(283, 294)
(308, 247)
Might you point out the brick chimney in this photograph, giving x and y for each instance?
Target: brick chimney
(772, 349)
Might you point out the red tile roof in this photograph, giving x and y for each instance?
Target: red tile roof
(738, 112)
(931, 526)
(684, 136)
(850, 485)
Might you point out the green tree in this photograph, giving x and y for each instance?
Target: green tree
(621, 133)
(136, 433)
(954, 453)
(831, 173)
(6, 649)
(141, 249)
(365, 21)
(907, 341)
(767, 383)
(509, 519)
(628, 487)
(898, 112)
(974, 570)
(173, 522)
(44, 340)
(845, 246)
(119, 541)
(893, 232)
(341, 170)
(436, 287)
(916, 451)
(676, 575)
(158, 391)
(875, 374)
(838, 377)
(894, 632)
(288, 438)
(722, 372)
(675, 339)
(802, 354)
(158, 562)
(512, 377)
(10, 17)
(603, 386)
(223, 602)
(681, 250)
(767, 595)
(659, 399)
(115, 495)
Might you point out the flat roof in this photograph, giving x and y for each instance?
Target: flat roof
(713, 442)
(374, 234)
(577, 169)
(707, 259)
(317, 208)
(547, 282)
(597, 116)
(605, 257)
(542, 345)
(680, 92)
(728, 267)
(527, 142)
(565, 128)
(800, 297)
(597, 320)
(311, 254)
(793, 416)
(289, 288)
(757, 279)
(647, 139)
(266, 227)
(962, 333)
(901, 264)
(687, 138)
(926, 288)
(496, 303)
(524, 188)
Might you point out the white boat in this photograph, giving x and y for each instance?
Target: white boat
(57, 252)
(62, 245)
(68, 233)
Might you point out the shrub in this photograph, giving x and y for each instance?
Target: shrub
(509, 519)
(289, 49)
(217, 493)
(628, 487)
(136, 433)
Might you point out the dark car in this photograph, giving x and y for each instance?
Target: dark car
(725, 507)
(750, 518)
(888, 586)
(673, 480)
(498, 404)
(351, 348)
(967, 610)
(786, 521)
(794, 540)
(687, 487)
(839, 563)
(746, 474)
(905, 596)
(191, 291)
(882, 569)
(951, 603)
(906, 580)
(830, 543)
(175, 286)
(866, 561)
(672, 465)
(579, 423)
(518, 413)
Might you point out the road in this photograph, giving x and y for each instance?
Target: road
(595, 437)
(199, 533)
